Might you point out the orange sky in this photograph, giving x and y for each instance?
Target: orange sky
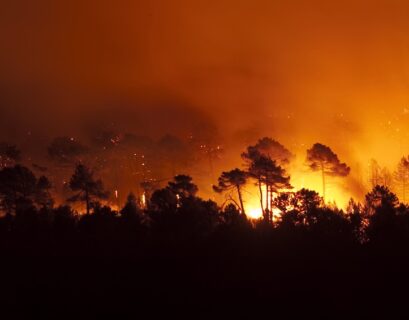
(300, 71)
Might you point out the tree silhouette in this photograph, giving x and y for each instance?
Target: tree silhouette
(296, 205)
(306, 213)
(383, 222)
(380, 196)
(86, 186)
(401, 176)
(374, 173)
(182, 186)
(131, 212)
(354, 213)
(269, 148)
(387, 177)
(43, 196)
(266, 172)
(322, 158)
(232, 217)
(306, 200)
(233, 179)
(9, 155)
(18, 185)
(164, 200)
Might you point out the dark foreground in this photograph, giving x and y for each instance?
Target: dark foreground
(189, 259)
(254, 276)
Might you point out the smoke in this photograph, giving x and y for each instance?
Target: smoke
(299, 71)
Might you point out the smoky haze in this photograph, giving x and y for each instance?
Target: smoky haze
(299, 71)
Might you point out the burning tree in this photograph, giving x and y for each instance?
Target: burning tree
(379, 175)
(401, 176)
(374, 173)
(86, 186)
(148, 187)
(322, 158)
(232, 180)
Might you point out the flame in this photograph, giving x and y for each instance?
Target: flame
(254, 212)
(143, 200)
(253, 205)
(300, 178)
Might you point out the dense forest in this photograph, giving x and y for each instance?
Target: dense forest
(172, 253)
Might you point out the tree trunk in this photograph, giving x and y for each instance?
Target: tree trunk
(271, 206)
(261, 195)
(267, 197)
(323, 181)
(240, 199)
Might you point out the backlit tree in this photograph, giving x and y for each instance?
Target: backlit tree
(232, 180)
(87, 188)
(321, 158)
(401, 176)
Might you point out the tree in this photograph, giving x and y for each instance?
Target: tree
(296, 206)
(374, 173)
(306, 213)
(43, 195)
(354, 213)
(266, 172)
(86, 186)
(401, 176)
(130, 211)
(306, 200)
(9, 155)
(264, 162)
(232, 217)
(322, 158)
(383, 222)
(380, 196)
(164, 200)
(19, 186)
(387, 177)
(182, 186)
(269, 148)
(233, 179)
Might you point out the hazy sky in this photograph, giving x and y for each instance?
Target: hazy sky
(301, 71)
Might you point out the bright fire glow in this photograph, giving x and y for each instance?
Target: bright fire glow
(253, 206)
(254, 212)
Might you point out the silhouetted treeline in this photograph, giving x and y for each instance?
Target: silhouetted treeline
(180, 255)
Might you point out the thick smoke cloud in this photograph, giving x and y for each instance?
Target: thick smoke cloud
(300, 71)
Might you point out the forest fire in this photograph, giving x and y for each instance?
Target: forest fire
(229, 158)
